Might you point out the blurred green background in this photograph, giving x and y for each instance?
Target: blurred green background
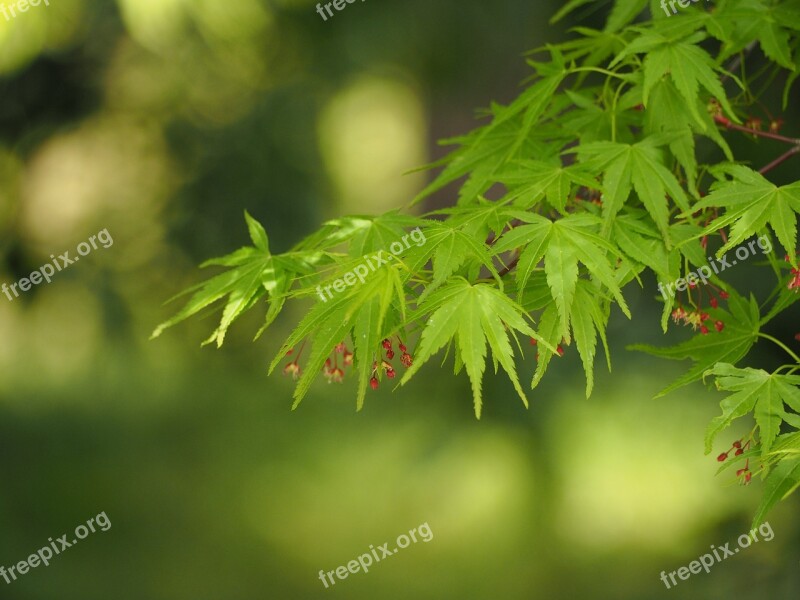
(162, 120)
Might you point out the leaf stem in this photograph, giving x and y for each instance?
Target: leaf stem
(599, 70)
(737, 60)
(766, 336)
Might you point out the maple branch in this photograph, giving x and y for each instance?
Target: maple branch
(779, 160)
(490, 241)
(511, 265)
(757, 132)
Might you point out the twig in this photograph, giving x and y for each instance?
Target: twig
(490, 241)
(511, 265)
(757, 132)
(779, 160)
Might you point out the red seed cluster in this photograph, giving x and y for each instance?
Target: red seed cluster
(292, 369)
(744, 475)
(386, 366)
(695, 315)
(775, 125)
(335, 372)
(794, 282)
(559, 348)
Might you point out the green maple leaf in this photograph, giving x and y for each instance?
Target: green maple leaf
(381, 232)
(480, 156)
(639, 167)
(593, 46)
(364, 233)
(481, 218)
(360, 312)
(533, 102)
(588, 319)
(470, 316)
(370, 323)
(756, 391)
(730, 345)
(563, 244)
(771, 25)
(254, 273)
(751, 202)
(666, 113)
(531, 180)
(780, 482)
(640, 241)
(449, 247)
(688, 66)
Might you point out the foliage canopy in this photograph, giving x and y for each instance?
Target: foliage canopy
(596, 177)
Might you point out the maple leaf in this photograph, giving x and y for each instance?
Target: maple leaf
(781, 481)
(531, 180)
(472, 315)
(481, 218)
(589, 318)
(594, 46)
(563, 244)
(688, 66)
(639, 167)
(364, 233)
(771, 25)
(666, 113)
(254, 273)
(450, 248)
(751, 202)
(365, 312)
(591, 119)
(755, 391)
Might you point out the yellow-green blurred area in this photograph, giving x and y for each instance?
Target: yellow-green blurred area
(162, 120)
